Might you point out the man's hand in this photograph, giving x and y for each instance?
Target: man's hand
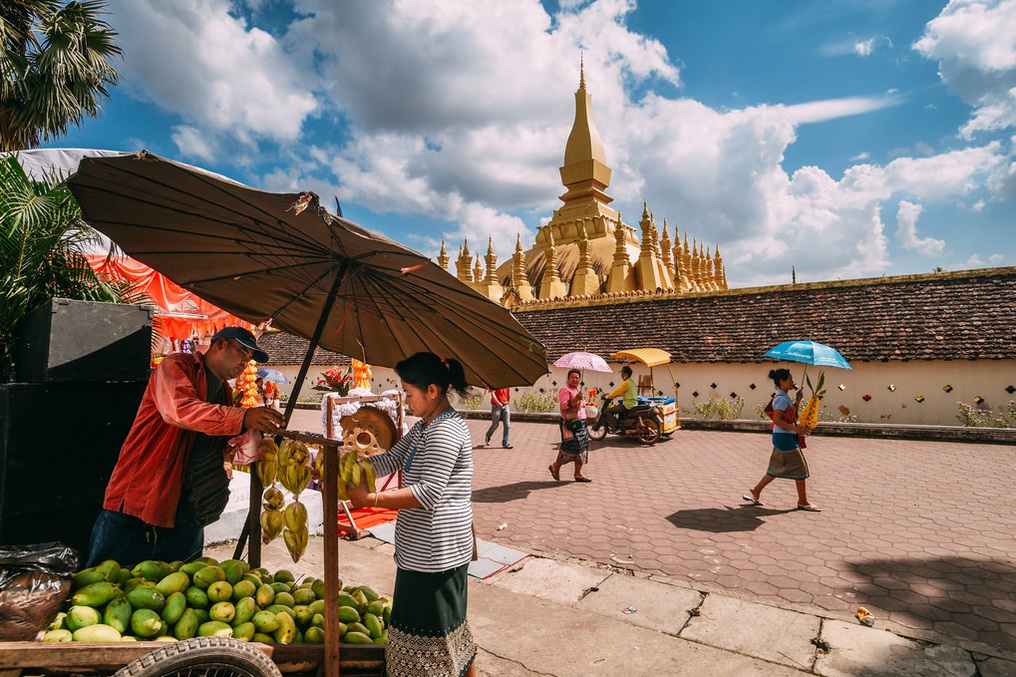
(263, 419)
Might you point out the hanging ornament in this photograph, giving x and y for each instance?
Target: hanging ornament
(361, 374)
(246, 383)
(947, 388)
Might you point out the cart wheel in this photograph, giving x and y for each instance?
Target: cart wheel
(649, 432)
(203, 657)
(597, 431)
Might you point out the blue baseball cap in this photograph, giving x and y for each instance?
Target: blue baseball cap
(244, 338)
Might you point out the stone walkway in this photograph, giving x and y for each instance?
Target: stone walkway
(923, 534)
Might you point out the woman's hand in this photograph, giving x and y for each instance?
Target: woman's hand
(358, 494)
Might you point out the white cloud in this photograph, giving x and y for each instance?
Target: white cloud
(864, 47)
(193, 143)
(906, 230)
(192, 57)
(974, 42)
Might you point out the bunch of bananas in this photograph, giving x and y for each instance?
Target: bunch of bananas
(353, 469)
(289, 464)
(271, 514)
(295, 534)
(294, 466)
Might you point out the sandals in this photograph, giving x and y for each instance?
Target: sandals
(751, 499)
(556, 474)
(811, 507)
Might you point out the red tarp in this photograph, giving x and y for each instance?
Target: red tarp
(181, 314)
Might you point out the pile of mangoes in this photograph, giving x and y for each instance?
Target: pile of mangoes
(160, 601)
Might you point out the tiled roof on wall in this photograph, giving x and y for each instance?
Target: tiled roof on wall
(285, 349)
(968, 315)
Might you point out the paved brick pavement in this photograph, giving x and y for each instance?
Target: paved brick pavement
(920, 533)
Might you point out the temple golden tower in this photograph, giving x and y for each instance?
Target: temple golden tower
(586, 250)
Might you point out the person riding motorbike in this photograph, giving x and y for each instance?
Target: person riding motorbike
(629, 398)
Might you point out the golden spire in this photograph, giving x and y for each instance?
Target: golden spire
(477, 270)
(442, 256)
(491, 260)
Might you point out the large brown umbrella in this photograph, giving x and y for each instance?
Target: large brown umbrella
(282, 257)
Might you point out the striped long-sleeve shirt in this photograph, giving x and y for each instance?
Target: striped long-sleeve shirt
(439, 535)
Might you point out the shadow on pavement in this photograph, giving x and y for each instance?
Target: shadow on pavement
(722, 520)
(512, 492)
(958, 596)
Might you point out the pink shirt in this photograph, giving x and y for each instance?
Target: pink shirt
(565, 395)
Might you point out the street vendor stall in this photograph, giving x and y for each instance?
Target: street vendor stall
(648, 394)
(283, 258)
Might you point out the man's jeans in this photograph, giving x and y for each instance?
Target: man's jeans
(499, 415)
(128, 540)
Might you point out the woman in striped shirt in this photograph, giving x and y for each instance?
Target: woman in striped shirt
(428, 634)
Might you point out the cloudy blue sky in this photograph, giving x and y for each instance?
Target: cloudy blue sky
(843, 138)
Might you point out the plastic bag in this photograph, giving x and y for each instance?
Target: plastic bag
(34, 581)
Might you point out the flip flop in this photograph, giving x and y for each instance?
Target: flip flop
(751, 499)
(811, 507)
(582, 479)
(556, 474)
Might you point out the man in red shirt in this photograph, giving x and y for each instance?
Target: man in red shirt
(169, 481)
(499, 413)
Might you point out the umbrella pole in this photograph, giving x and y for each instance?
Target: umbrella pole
(251, 532)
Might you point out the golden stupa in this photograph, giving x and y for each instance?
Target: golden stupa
(585, 250)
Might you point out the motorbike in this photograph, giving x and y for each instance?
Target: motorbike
(644, 423)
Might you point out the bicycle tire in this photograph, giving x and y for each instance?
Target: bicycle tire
(203, 657)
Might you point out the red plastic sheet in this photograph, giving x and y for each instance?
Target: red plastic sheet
(181, 314)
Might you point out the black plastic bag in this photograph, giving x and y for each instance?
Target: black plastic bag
(34, 581)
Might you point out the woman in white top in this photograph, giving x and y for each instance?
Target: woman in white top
(428, 634)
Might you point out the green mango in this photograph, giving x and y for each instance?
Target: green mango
(383, 639)
(348, 614)
(265, 622)
(356, 637)
(191, 568)
(58, 621)
(143, 597)
(177, 581)
(187, 625)
(86, 577)
(314, 635)
(262, 638)
(265, 596)
(317, 620)
(281, 587)
(373, 624)
(145, 623)
(80, 617)
(318, 588)
(284, 576)
(110, 570)
(95, 595)
(96, 633)
(245, 608)
(318, 606)
(117, 614)
(215, 629)
(244, 631)
(303, 615)
(196, 597)
(176, 603)
(222, 611)
(152, 570)
(377, 607)
(368, 592)
(208, 575)
(345, 599)
(303, 596)
(281, 608)
(244, 588)
(61, 635)
(285, 599)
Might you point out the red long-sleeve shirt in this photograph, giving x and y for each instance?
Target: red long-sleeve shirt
(148, 477)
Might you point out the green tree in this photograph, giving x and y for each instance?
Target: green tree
(42, 245)
(55, 66)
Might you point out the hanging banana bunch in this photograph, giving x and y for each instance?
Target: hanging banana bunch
(271, 514)
(295, 473)
(268, 466)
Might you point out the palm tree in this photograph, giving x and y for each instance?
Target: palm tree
(54, 68)
(42, 246)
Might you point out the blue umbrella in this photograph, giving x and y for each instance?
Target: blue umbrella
(808, 352)
(273, 375)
